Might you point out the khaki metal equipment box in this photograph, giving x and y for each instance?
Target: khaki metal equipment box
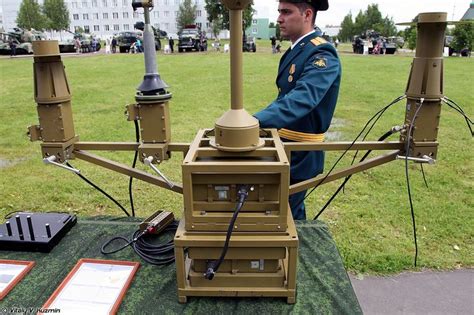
(211, 179)
(256, 264)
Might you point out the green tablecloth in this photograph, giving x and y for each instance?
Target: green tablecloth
(323, 286)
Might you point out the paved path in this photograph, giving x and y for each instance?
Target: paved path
(428, 292)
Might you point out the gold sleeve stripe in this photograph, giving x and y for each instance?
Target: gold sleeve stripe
(301, 136)
(318, 41)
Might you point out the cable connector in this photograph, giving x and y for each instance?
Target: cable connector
(397, 129)
(213, 266)
(243, 192)
(210, 273)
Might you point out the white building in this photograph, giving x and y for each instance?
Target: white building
(105, 18)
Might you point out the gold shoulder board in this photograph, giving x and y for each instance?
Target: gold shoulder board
(318, 41)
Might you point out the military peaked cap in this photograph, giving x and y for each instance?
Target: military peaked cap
(319, 5)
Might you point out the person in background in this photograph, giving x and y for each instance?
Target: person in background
(78, 45)
(138, 46)
(114, 45)
(107, 45)
(12, 45)
(273, 41)
(171, 43)
(308, 83)
(94, 45)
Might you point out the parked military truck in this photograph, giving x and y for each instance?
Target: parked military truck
(159, 34)
(192, 38)
(23, 39)
(125, 40)
(86, 40)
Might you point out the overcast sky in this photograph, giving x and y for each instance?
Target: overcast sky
(399, 10)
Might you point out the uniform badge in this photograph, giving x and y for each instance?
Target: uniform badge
(290, 78)
(292, 69)
(320, 63)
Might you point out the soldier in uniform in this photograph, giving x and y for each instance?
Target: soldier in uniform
(308, 82)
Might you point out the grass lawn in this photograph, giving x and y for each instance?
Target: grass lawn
(371, 222)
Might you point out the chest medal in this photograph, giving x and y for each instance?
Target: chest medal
(292, 69)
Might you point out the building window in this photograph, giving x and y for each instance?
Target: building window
(84, 4)
(94, 3)
(254, 22)
(176, 13)
(115, 15)
(87, 29)
(104, 3)
(156, 14)
(115, 3)
(85, 16)
(77, 29)
(74, 5)
(126, 27)
(176, 1)
(124, 3)
(157, 25)
(166, 13)
(167, 26)
(198, 13)
(96, 28)
(135, 15)
(254, 30)
(106, 27)
(125, 15)
(105, 16)
(199, 24)
(75, 16)
(116, 27)
(95, 16)
(165, 2)
(208, 25)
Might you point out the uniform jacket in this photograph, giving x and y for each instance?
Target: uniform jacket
(308, 85)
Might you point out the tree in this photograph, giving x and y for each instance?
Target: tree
(57, 14)
(30, 16)
(360, 23)
(347, 28)
(372, 16)
(411, 34)
(387, 28)
(370, 19)
(216, 10)
(463, 36)
(186, 14)
(216, 27)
